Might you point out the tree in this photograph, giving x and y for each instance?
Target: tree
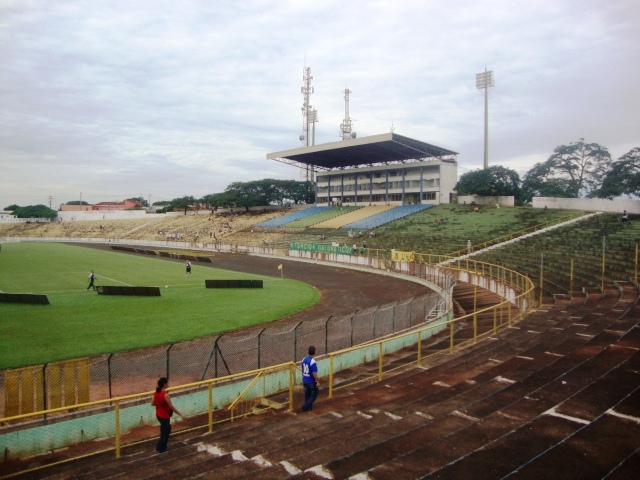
(572, 170)
(623, 178)
(252, 194)
(182, 203)
(12, 208)
(259, 193)
(220, 200)
(493, 181)
(294, 192)
(77, 202)
(35, 211)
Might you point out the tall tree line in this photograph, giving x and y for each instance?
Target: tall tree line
(579, 169)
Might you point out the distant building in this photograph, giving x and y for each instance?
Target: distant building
(101, 207)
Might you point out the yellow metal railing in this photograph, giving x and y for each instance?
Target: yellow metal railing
(502, 314)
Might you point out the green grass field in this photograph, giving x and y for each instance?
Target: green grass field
(80, 322)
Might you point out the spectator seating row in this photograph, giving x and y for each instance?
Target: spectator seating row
(290, 217)
(387, 216)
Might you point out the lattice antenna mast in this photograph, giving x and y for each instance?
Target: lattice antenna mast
(484, 81)
(309, 114)
(346, 127)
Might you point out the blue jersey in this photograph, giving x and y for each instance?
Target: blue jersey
(309, 367)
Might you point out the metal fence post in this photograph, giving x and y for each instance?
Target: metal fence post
(109, 374)
(44, 386)
(260, 346)
(215, 361)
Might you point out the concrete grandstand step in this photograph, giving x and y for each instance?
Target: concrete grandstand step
(531, 416)
(567, 459)
(137, 462)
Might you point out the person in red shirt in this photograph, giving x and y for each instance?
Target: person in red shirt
(164, 409)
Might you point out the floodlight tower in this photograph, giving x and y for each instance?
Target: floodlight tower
(347, 124)
(484, 80)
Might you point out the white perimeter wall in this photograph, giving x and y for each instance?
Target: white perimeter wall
(595, 204)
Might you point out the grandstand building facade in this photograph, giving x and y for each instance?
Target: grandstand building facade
(386, 169)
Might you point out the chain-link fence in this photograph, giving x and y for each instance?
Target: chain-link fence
(45, 386)
(58, 384)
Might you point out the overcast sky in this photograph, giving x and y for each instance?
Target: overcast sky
(114, 99)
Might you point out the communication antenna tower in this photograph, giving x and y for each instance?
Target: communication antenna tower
(346, 132)
(309, 115)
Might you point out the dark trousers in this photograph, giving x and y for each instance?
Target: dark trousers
(165, 431)
(310, 395)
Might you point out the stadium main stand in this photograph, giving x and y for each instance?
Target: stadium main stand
(388, 216)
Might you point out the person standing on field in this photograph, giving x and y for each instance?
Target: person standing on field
(310, 381)
(164, 410)
(92, 279)
(188, 267)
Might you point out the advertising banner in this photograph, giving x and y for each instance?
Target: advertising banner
(316, 247)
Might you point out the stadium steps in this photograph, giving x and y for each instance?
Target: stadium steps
(519, 239)
(503, 400)
(388, 216)
(291, 217)
(145, 225)
(353, 216)
(323, 216)
(495, 415)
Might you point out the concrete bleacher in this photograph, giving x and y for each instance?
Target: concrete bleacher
(290, 217)
(387, 216)
(320, 217)
(352, 216)
(583, 242)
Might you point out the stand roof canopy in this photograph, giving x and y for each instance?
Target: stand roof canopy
(380, 149)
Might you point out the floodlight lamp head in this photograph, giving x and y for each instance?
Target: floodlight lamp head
(484, 79)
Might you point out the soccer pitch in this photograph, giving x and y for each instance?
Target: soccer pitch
(79, 322)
